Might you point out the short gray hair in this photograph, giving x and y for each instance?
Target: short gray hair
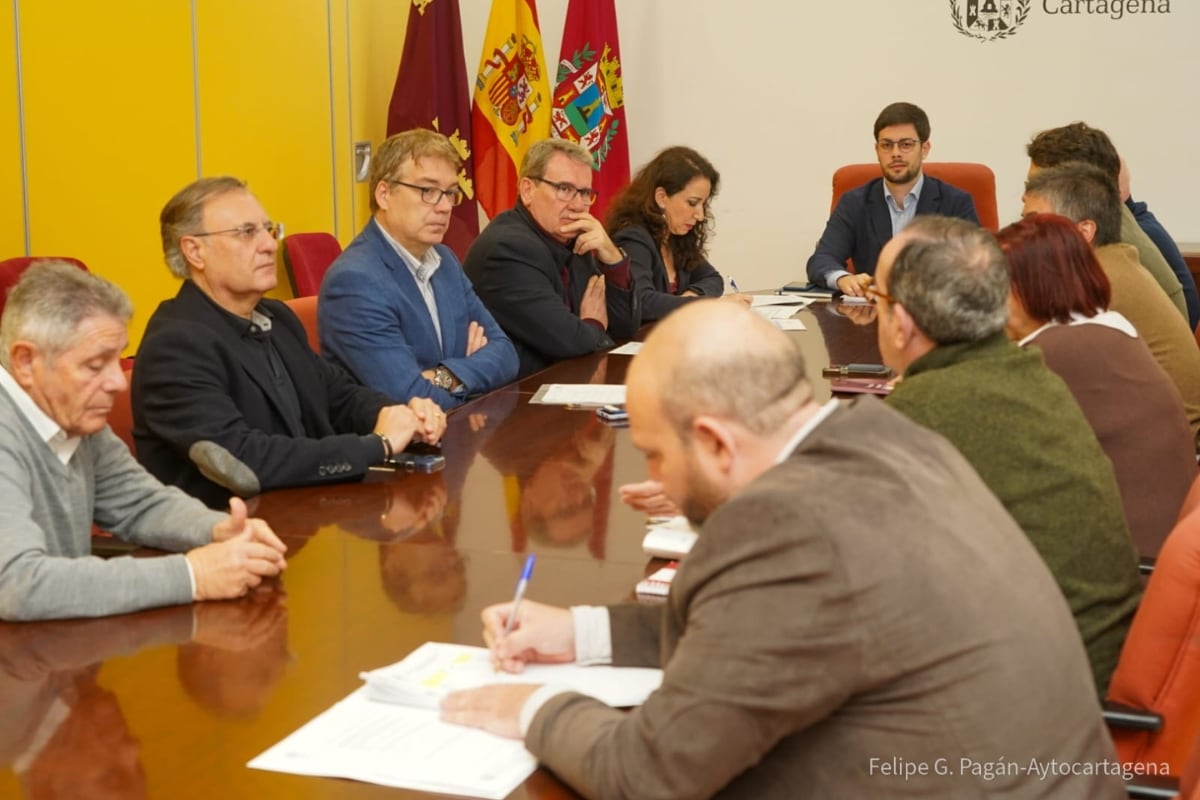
(953, 279)
(50, 301)
(1079, 192)
(183, 214)
(539, 154)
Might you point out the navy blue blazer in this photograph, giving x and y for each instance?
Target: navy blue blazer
(861, 225)
(374, 322)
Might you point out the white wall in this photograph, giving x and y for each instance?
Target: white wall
(778, 95)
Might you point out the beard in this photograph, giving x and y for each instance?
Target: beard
(909, 174)
(702, 498)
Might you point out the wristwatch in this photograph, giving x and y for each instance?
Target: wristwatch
(444, 378)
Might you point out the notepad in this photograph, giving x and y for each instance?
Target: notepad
(658, 583)
(673, 539)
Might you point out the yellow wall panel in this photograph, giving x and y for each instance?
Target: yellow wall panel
(110, 134)
(376, 29)
(264, 98)
(12, 212)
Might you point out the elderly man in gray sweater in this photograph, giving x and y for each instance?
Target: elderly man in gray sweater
(62, 468)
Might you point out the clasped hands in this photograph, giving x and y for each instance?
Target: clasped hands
(243, 552)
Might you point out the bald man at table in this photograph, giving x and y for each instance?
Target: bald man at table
(915, 648)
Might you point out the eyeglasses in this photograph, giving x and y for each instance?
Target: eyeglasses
(903, 145)
(431, 195)
(874, 294)
(246, 233)
(566, 192)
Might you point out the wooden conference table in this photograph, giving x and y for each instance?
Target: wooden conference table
(172, 703)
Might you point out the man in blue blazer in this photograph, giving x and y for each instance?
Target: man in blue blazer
(867, 217)
(395, 308)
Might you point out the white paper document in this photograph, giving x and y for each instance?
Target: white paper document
(435, 669)
(400, 746)
(789, 324)
(760, 300)
(775, 312)
(402, 742)
(580, 394)
(627, 349)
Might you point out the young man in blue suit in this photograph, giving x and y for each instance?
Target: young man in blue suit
(867, 217)
(395, 308)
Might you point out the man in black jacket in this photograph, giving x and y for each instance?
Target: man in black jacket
(227, 395)
(547, 270)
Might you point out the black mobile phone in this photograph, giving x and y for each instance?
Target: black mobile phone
(860, 370)
(418, 462)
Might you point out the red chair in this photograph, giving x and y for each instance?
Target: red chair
(976, 179)
(1159, 668)
(306, 309)
(306, 256)
(11, 269)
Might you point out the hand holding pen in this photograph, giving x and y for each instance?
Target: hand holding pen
(525, 632)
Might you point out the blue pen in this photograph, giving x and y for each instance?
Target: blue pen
(733, 284)
(522, 582)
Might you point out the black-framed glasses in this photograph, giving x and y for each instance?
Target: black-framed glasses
(903, 145)
(566, 192)
(245, 232)
(432, 195)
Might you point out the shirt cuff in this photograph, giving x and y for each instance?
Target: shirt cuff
(593, 635)
(833, 277)
(618, 274)
(191, 577)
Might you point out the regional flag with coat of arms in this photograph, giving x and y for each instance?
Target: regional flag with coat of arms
(589, 97)
(511, 108)
(431, 92)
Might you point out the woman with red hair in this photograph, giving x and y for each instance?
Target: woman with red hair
(1058, 302)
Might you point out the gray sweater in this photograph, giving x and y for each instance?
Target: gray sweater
(46, 513)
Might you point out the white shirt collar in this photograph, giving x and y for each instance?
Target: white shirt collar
(431, 260)
(63, 446)
(1109, 319)
(807, 428)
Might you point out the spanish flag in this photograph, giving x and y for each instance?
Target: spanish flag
(511, 108)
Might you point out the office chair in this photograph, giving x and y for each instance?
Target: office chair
(306, 309)
(306, 256)
(1153, 700)
(11, 269)
(120, 419)
(976, 179)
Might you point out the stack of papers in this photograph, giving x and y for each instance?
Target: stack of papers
(591, 395)
(658, 583)
(402, 742)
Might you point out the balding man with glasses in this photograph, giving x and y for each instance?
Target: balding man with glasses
(228, 397)
(396, 309)
(867, 217)
(547, 269)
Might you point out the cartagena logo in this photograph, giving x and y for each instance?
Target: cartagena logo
(989, 20)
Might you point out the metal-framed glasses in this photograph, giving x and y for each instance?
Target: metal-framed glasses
(432, 195)
(246, 233)
(874, 294)
(566, 192)
(903, 145)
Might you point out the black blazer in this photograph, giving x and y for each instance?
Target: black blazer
(193, 381)
(517, 272)
(650, 275)
(861, 225)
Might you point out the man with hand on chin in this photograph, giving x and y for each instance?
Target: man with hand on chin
(62, 468)
(547, 269)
